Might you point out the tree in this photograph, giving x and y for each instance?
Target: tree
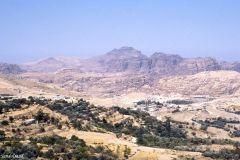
(40, 116)
(18, 130)
(140, 140)
(31, 99)
(77, 124)
(168, 126)
(127, 152)
(5, 122)
(1, 109)
(49, 154)
(2, 135)
(42, 130)
(74, 138)
(104, 120)
(59, 126)
(237, 150)
(81, 152)
(11, 119)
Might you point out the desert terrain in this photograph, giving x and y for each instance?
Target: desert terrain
(121, 105)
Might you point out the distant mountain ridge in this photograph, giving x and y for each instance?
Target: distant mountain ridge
(6, 68)
(128, 59)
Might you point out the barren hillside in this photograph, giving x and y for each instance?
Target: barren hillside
(214, 83)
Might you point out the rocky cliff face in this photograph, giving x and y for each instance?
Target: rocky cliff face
(196, 65)
(10, 69)
(128, 59)
(164, 64)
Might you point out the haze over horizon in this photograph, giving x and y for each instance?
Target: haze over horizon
(32, 30)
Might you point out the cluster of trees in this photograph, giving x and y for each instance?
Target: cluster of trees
(84, 111)
(151, 125)
(73, 148)
(58, 148)
(42, 117)
(232, 111)
(13, 104)
(180, 102)
(236, 133)
(179, 143)
(150, 132)
(218, 123)
(148, 102)
(227, 154)
(13, 147)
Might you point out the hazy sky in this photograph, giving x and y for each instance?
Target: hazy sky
(32, 29)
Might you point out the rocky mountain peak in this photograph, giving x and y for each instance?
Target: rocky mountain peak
(123, 59)
(50, 64)
(125, 52)
(49, 60)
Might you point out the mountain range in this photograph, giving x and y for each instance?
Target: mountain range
(128, 59)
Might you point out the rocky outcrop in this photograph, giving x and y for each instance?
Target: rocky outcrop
(167, 65)
(164, 64)
(196, 65)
